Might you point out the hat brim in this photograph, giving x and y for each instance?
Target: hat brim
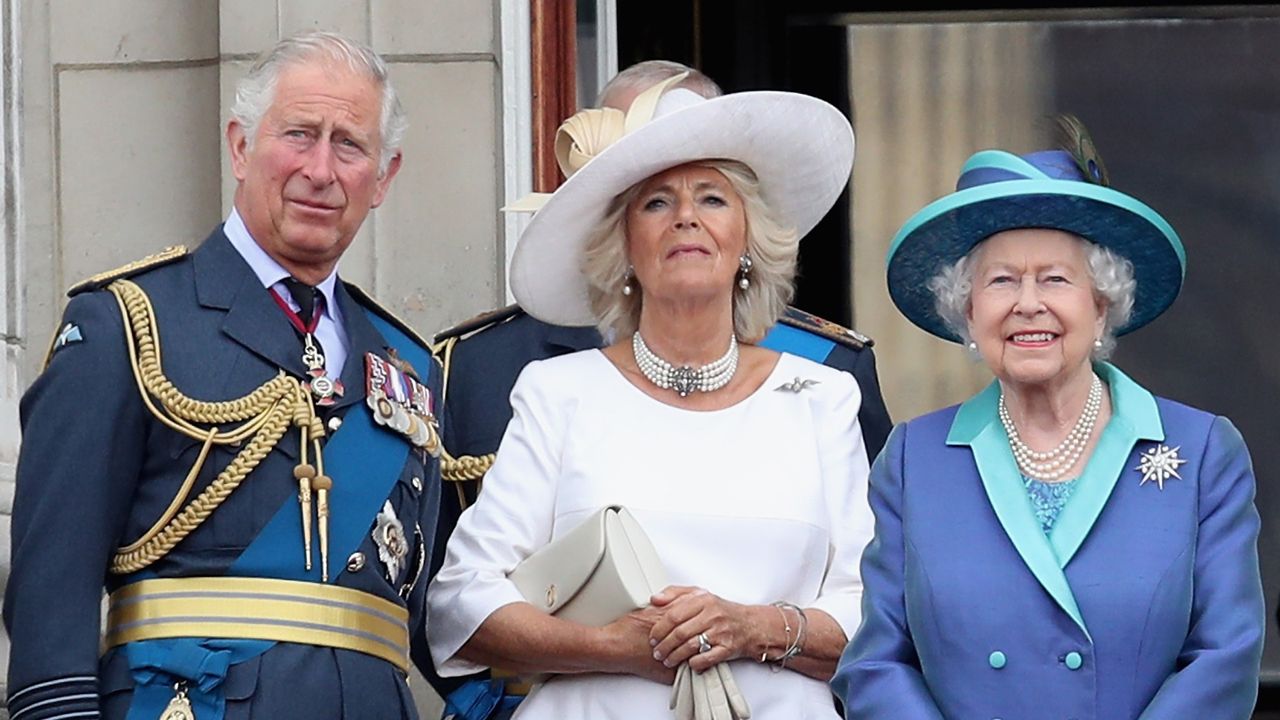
(947, 229)
(800, 148)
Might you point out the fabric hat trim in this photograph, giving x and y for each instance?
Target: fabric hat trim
(1158, 256)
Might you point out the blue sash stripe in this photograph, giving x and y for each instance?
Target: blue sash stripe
(784, 338)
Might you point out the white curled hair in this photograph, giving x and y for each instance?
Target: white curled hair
(1111, 274)
(256, 91)
(773, 248)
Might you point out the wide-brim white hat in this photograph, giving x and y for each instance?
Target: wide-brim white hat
(800, 148)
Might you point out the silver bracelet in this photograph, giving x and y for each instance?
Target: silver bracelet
(795, 645)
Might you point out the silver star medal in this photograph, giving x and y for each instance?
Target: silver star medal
(388, 535)
(795, 386)
(1159, 463)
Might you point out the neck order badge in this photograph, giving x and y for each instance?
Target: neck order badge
(325, 389)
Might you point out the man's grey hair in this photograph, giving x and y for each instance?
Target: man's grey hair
(256, 91)
(644, 75)
(772, 246)
(1113, 284)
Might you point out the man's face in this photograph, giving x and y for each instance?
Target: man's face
(310, 176)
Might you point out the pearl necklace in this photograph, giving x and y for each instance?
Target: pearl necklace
(1052, 464)
(685, 379)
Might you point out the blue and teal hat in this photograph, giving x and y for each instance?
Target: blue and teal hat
(1000, 191)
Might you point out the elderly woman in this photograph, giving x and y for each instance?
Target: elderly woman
(745, 467)
(1064, 544)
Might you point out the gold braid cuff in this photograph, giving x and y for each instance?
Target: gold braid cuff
(263, 415)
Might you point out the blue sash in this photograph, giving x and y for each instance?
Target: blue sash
(365, 462)
(784, 338)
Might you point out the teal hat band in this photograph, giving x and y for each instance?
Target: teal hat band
(1000, 191)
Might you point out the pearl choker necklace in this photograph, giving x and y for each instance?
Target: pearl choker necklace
(1052, 464)
(685, 379)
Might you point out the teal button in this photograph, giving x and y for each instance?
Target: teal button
(1073, 661)
(997, 660)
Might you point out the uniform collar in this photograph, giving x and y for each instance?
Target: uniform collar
(1130, 402)
(270, 272)
(976, 424)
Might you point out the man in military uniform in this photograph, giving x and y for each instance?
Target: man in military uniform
(259, 499)
(483, 357)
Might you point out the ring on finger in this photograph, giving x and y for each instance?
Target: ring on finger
(704, 642)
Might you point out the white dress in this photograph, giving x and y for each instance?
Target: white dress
(762, 501)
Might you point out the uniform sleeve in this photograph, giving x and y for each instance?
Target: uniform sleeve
(512, 517)
(844, 471)
(872, 415)
(879, 676)
(84, 434)
(1217, 672)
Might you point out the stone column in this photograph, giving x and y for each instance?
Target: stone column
(10, 296)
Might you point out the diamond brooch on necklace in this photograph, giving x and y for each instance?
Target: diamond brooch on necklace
(685, 379)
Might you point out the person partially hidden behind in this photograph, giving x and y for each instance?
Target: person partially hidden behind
(483, 357)
(258, 499)
(1065, 544)
(746, 467)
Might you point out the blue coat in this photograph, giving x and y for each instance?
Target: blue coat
(97, 469)
(1142, 603)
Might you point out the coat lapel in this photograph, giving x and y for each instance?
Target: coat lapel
(225, 281)
(1134, 417)
(976, 425)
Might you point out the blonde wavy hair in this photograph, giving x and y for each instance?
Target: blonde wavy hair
(773, 248)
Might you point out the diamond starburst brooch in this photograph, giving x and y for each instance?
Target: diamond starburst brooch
(1159, 463)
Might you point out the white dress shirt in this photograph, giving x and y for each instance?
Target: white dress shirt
(330, 331)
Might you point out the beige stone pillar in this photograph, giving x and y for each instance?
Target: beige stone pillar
(11, 302)
(925, 98)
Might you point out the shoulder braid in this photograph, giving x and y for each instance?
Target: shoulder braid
(128, 270)
(262, 416)
(797, 318)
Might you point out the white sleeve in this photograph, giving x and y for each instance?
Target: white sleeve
(845, 474)
(512, 517)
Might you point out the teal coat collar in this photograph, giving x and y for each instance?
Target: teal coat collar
(1134, 417)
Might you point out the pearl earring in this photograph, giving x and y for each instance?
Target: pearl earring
(1097, 343)
(973, 346)
(626, 281)
(744, 269)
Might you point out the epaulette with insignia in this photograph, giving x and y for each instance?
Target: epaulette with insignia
(102, 279)
(479, 322)
(367, 300)
(797, 318)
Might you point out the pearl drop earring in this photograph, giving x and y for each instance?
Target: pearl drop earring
(744, 269)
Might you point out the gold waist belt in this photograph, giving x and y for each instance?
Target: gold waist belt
(260, 609)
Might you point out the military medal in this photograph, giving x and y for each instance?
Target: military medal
(393, 546)
(400, 402)
(1159, 463)
(179, 708)
(326, 390)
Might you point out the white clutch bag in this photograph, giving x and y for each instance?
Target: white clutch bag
(594, 574)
